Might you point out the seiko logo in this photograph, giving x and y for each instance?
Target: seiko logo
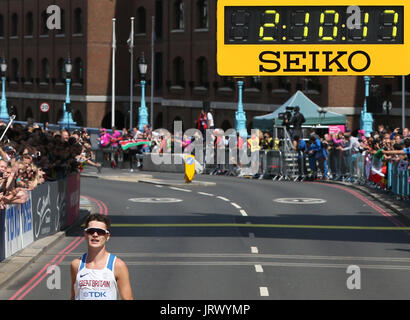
(314, 61)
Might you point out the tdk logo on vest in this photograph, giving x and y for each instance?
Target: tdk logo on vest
(314, 61)
(96, 294)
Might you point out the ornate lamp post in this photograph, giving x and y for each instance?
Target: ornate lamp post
(366, 118)
(240, 115)
(142, 111)
(4, 115)
(67, 119)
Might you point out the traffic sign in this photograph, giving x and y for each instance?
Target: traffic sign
(44, 107)
(315, 37)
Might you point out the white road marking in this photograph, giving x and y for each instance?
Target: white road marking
(254, 250)
(207, 194)
(258, 268)
(222, 198)
(179, 189)
(264, 292)
(243, 212)
(236, 205)
(158, 186)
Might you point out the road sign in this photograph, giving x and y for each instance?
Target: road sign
(315, 37)
(44, 107)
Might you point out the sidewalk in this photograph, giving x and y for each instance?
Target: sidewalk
(399, 207)
(21, 260)
(141, 176)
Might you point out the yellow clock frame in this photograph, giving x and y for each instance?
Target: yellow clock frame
(312, 59)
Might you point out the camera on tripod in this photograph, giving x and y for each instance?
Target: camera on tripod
(288, 114)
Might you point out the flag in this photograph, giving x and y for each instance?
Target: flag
(134, 143)
(130, 40)
(114, 38)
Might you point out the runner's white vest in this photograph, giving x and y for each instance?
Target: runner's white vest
(96, 284)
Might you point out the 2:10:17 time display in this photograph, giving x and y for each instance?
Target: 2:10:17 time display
(312, 25)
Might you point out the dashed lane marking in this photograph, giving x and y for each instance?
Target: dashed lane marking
(258, 268)
(179, 189)
(264, 292)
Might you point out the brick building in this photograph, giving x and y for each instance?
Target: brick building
(185, 66)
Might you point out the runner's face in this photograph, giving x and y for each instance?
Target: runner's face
(95, 240)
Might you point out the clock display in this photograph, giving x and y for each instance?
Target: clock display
(313, 25)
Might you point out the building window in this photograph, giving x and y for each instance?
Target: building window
(312, 85)
(62, 29)
(29, 70)
(29, 24)
(78, 74)
(45, 70)
(141, 20)
(202, 71)
(202, 7)
(61, 70)
(179, 77)
(43, 27)
(14, 25)
(284, 83)
(78, 21)
(14, 70)
(255, 82)
(179, 15)
(406, 83)
(1, 26)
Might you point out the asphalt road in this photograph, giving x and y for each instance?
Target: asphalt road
(238, 240)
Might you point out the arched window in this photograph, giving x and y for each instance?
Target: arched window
(29, 70)
(43, 26)
(14, 70)
(78, 21)
(62, 29)
(29, 24)
(406, 83)
(29, 113)
(45, 70)
(141, 20)
(60, 70)
(78, 71)
(179, 76)
(78, 118)
(202, 71)
(1, 26)
(202, 10)
(179, 14)
(14, 25)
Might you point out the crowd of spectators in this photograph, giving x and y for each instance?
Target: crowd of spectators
(31, 155)
(353, 155)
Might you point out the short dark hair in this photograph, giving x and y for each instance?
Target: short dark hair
(100, 218)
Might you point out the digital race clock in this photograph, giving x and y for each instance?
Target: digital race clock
(278, 37)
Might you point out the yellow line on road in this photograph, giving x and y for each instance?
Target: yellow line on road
(244, 225)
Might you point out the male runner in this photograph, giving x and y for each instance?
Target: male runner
(98, 275)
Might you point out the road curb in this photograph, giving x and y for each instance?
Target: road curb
(398, 208)
(21, 260)
(172, 183)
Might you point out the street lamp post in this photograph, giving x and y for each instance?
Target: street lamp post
(143, 111)
(4, 115)
(366, 118)
(67, 119)
(240, 115)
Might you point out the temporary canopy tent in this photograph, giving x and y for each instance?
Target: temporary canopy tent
(308, 108)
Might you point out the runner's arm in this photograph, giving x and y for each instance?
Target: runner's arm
(123, 280)
(74, 268)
